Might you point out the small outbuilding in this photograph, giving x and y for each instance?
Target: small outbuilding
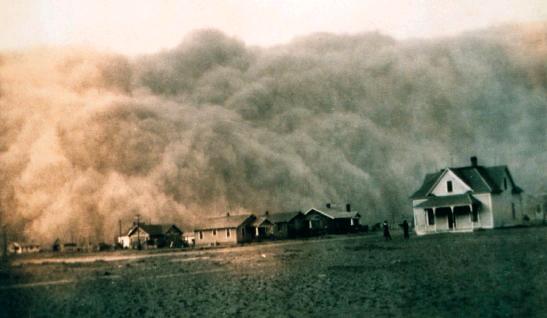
(189, 238)
(21, 248)
(332, 220)
(263, 228)
(282, 225)
(229, 229)
(153, 236)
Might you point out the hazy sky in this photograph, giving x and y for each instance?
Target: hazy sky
(146, 26)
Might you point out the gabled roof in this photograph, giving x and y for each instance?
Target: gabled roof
(154, 229)
(225, 222)
(336, 214)
(476, 178)
(479, 178)
(283, 217)
(496, 175)
(261, 221)
(427, 185)
(448, 200)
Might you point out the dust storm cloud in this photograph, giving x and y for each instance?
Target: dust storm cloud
(89, 138)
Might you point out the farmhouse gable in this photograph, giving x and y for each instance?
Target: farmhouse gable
(467, 198)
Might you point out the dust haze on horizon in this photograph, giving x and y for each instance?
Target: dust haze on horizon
(135, 27)
(88, 138)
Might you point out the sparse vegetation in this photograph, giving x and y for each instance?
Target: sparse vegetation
(494, 273)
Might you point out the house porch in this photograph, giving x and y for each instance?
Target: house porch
(460, 213)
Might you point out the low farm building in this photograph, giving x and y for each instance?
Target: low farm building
(467, 198)
(280, 225)
(229, 229)
(189, 238)
(20, 248)
(332, 220)
(152, 236)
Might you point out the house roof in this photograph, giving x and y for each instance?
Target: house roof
(429, 181)
(283, 217)
(449, 200)
(336, 214)
(261, 220)
(479, 178)
(225, 222)
(153, 229)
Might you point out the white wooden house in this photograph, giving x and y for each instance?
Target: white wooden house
(467, 198)
(229, 229)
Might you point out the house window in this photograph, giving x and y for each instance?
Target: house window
(243, 231)
(449, 186)
(513, 212)
(227, 232)
(505, 183)
(200, 235)
(214, 232)
(430, 217)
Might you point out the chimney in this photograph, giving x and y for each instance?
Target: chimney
(474, 161)
(267, 213)
(328, 205)
(227, 213)
(348, 207)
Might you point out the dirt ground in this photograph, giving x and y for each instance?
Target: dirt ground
(498, 273)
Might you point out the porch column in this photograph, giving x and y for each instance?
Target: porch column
(471, 216)
(435, 218)
(414, 216)
(479, 218)
(453, 218)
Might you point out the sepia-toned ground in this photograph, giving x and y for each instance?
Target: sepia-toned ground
(499, 273)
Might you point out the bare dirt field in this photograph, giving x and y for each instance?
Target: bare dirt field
(499, 273)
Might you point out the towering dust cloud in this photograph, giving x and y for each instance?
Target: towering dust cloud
(87, 139)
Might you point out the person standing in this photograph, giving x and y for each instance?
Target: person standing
(387, 236)
(405, 230)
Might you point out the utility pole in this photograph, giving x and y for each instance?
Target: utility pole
(139, 247)
(4, 229)
(4, 244)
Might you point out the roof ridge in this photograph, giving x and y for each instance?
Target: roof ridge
(229, 216)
